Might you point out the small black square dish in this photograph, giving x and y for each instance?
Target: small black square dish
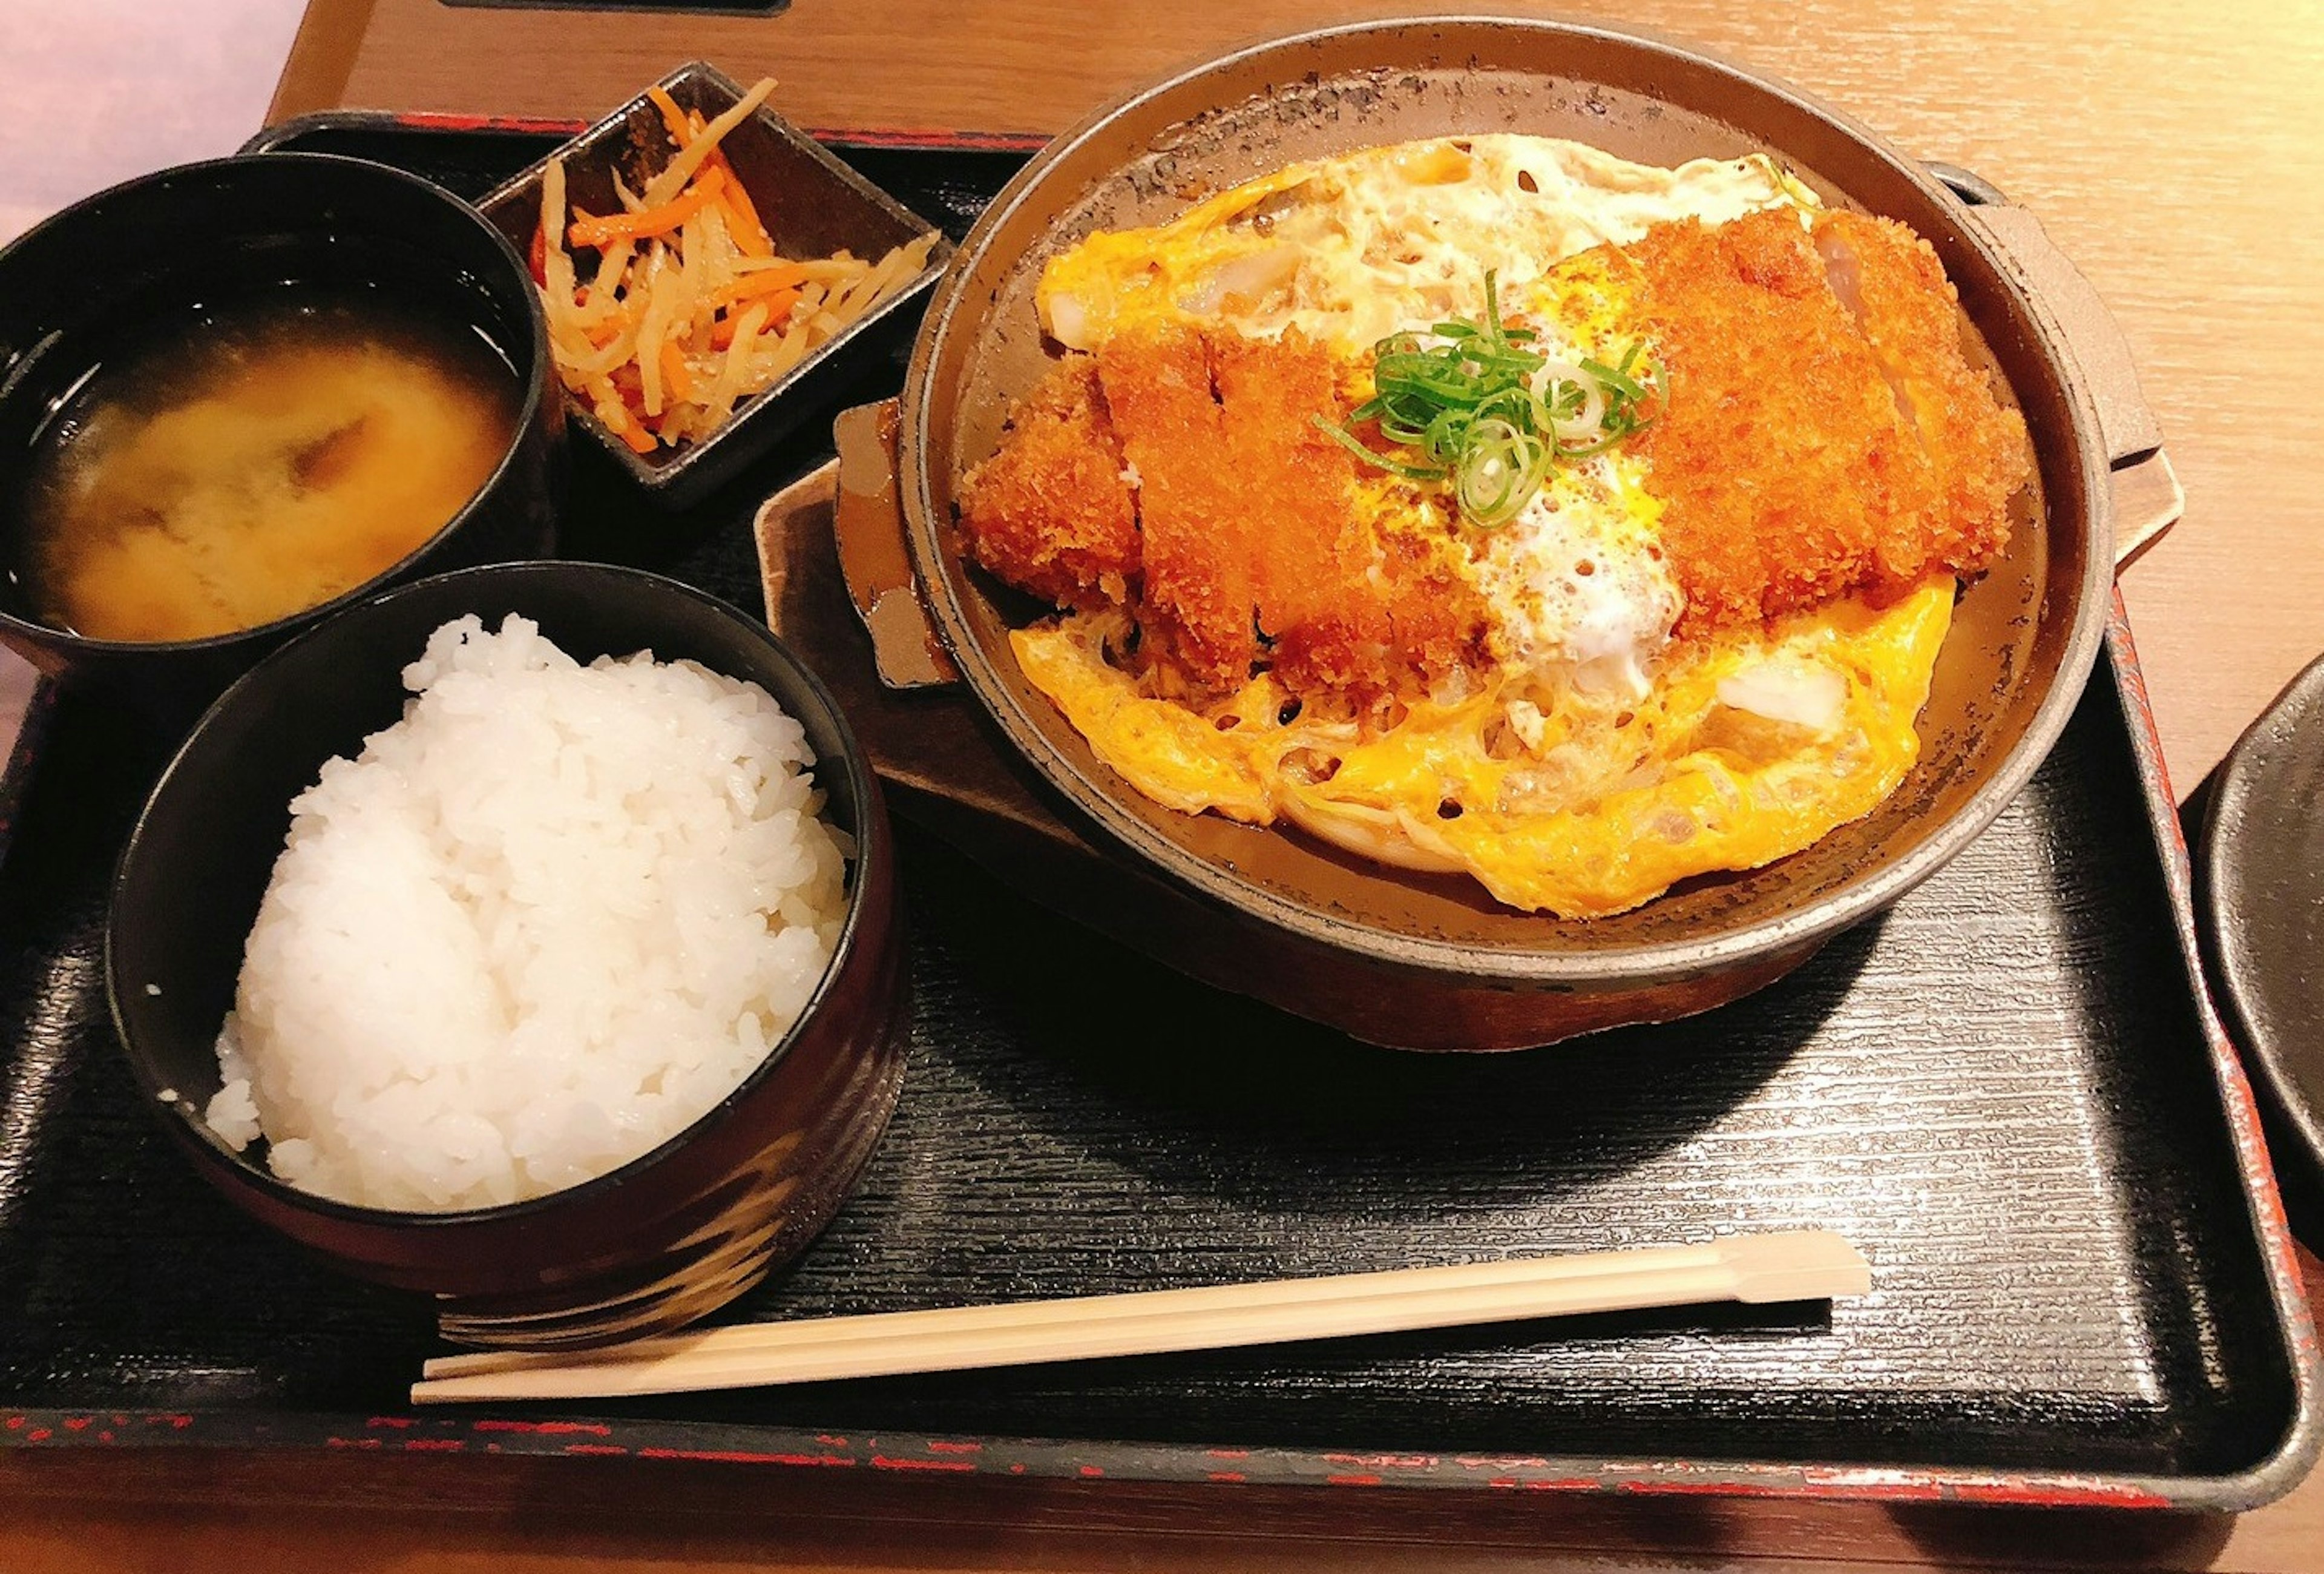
(764, 173)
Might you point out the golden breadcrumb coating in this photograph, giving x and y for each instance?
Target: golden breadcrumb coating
(1822, 431)
(1052, 513)
(1197, 601)
(1344, 605)
(1909, 314)
(1249, 547)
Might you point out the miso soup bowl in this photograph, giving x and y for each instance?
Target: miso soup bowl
(649, 1246)
(83, 287)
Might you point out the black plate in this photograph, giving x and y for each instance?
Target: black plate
(2263, 865)
(2010, 1093)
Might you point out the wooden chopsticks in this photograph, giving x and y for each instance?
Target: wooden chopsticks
(1781, 1266)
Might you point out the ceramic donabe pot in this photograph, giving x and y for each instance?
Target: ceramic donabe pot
(1430, 961)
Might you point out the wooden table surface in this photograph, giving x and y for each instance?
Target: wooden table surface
(2175, 151)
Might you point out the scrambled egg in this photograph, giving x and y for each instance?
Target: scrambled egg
(1350, 249)
(1746, 748)
(1604, 744)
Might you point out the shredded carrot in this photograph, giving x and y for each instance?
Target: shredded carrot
(646, 221)
(722, 333)
(672, 116)
(742, 223)
(689, 159)
(763, 282)
(622, 421)
(673, 370)
(742, 219)
(779, 304)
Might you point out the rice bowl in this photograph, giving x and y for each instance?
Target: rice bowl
(539, 926)
(666, 1236)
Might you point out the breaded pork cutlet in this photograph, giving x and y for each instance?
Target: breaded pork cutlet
(1051, 512)
(1247, 548)
(1343, 605)
(1821, 432)
(1890, 281)
(1197, 602)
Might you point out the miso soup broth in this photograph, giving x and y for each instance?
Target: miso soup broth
(257, 460)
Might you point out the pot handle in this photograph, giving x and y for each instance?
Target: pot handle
(867, 520)
(2148, 497)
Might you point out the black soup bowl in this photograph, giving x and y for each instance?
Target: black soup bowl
(97, 282)
(656, 1242)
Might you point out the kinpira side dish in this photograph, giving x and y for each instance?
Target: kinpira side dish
(667, 314)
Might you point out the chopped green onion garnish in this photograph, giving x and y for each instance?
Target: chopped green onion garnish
(1501, 468)
(1464, 396)
(1348, 440)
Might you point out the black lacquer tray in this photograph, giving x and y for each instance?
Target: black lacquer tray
(2011, 1093)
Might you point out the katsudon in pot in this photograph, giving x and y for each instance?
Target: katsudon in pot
(1496, 505)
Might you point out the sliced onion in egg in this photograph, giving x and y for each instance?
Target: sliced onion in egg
(1501, 468)
(1248, 278)
(1801, 693)
(1384, 836)
(1069, 320)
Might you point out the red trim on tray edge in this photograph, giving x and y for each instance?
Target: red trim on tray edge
(907, 137)
(905, 1462)
(441, 120)
(737, 1457)
(550, 1429)
(1870, 1484)
(2242, 1107)
(1384, 1461)
(951, 141)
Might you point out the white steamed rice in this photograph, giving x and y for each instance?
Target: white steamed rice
(539, 926)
